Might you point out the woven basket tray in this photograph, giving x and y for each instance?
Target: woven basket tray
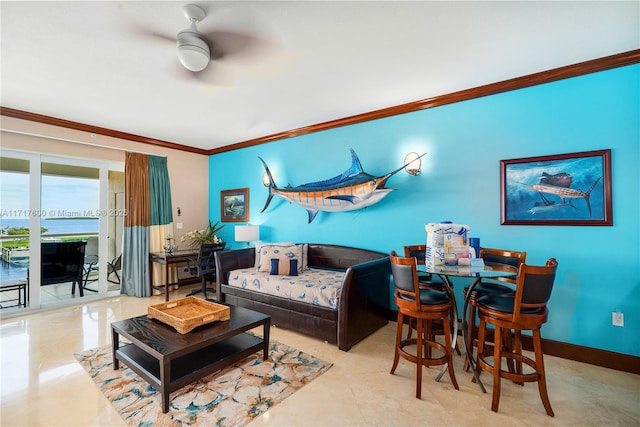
(188, 313)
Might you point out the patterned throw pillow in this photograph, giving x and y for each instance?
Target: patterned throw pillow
(303, 263)
(281, 267)
(259, 245)
(283, 254)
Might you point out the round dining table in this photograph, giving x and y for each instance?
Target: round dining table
(477, 273)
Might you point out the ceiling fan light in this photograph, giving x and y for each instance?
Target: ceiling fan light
(193, 52)
(193, 58)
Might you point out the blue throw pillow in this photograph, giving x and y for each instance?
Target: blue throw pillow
(284, 268)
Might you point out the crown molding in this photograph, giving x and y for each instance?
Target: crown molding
(569, 71)
(587, 67)
(40, 118)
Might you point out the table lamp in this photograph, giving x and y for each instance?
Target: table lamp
(247, 233)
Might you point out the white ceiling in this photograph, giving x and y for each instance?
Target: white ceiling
(84, 62)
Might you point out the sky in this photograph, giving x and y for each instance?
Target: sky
(60, 195)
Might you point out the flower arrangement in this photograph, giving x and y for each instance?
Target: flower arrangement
(208, 235)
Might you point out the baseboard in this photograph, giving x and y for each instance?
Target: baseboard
(592, 356)
(577, 353)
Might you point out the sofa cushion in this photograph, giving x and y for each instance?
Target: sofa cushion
(315, 286)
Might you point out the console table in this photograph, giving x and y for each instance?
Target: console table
(167, 259)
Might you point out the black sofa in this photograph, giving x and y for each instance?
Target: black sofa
(363, 305)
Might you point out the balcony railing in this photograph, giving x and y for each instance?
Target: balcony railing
(15, 247)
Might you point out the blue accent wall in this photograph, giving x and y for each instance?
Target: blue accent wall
(599, 267)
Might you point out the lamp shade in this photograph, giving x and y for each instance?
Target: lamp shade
(247, 233)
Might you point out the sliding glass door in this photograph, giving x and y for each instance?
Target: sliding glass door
(14, 231)
(73, 223)
(70, 226)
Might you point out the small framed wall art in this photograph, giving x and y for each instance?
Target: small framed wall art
(561, 189)
(234, 205)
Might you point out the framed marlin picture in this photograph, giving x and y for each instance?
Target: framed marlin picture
(234, 205)
(563, 189)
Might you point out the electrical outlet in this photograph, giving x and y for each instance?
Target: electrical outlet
(617, 318)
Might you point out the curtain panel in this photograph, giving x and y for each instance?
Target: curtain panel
(148, 221)
(161, 217)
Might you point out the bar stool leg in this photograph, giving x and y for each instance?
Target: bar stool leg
(419, 350)
(448, 346)
(482, 330)
(396, 355)
(542, 381)
(497, 358)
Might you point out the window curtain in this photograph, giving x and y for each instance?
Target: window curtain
(148, 222)
(161, 222)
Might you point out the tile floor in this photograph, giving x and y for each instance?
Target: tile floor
(42, 384)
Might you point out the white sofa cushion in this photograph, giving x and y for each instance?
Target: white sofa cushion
(315, 286)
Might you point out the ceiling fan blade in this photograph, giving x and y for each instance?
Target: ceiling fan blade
(217, 74)
(150, 32)
(239, 46)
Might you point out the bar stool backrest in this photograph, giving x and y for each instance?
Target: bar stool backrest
(533, 286)
(503, 257)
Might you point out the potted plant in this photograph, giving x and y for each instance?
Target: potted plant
(208, 235)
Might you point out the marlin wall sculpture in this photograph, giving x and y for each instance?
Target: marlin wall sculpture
(353, 189)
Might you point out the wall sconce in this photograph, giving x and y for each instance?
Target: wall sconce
(412, 163)
(247, 233)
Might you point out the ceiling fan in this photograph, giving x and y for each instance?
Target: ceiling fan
(193, 50)
(196, 49)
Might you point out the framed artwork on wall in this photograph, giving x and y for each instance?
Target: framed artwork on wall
(234, 205)
(561, 189)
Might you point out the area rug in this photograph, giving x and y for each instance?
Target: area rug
(230, 397)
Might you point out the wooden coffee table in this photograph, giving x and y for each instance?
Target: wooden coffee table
(169, 360)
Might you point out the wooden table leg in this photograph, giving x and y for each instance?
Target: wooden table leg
(166, 281)
(150, 277)
(115, 344)
(265, 338)
(165, 378)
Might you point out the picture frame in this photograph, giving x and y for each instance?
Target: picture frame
(234, 205)
(561, 189)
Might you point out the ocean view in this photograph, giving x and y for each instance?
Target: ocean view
(56, 226)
